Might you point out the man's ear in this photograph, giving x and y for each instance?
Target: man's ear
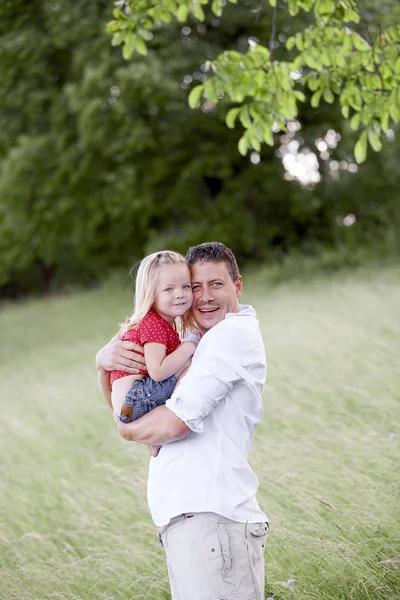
(239, 286)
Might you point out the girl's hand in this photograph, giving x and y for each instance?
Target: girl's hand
(121, 356)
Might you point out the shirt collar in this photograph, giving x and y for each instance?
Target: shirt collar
(245, 310)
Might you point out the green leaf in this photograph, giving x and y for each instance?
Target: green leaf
(272, 3)
(345, 111)
(117, 39)
(127, 49)
(210, 92)
(259, 79)
(325, 59)
(255, 112)
(360, 149)
(355, 121)
(299, 96)
(298, 63)
(347, 44)
(373, 82)
(315, 98)
(353, 16)
(374, 140)
(231, 117)
(394, 113)
(140, 46)
(198, 11)
(313, 82)
(118, 14)
(311, 61)
(340, 59)
(182, 13)
(195, 95)
(245, 117)
(243, 146)
(263, 52)
(360, 43)
(325, 8)
(299, 41)
(328, 96)
(290, 43)
(267, 134)
(386, 71)
(113, 26)
(145, 34)
(255, 143)
(165, 16)
(354, 97)
(216, 8)
(170, 5)
(385, 121)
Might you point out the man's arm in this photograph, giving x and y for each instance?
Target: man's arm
(213, 372)
(159, 426)
(118, 356)
(104, 385)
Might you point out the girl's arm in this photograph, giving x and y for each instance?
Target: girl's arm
(159, 366)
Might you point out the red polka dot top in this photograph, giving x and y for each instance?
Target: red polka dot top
(153, 328)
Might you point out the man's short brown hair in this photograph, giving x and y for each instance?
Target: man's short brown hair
(214, 252)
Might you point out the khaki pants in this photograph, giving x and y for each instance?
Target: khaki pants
(210, 557)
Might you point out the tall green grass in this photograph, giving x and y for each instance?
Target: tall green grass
(75, 519)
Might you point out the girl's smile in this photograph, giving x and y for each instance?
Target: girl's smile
(174, 292)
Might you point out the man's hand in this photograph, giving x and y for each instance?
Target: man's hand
(154, 450)
(121, 356)
(156, 428)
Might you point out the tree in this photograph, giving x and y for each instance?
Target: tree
(343, 53)
(65, 194)
(103, 161)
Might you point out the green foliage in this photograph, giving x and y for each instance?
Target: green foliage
(66, 205)
(330, 58)
(102, 160)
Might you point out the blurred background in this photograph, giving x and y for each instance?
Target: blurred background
(102, 161)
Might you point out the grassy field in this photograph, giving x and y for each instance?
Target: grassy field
(75, 519)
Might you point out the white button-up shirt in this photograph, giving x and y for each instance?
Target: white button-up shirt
(219, 399)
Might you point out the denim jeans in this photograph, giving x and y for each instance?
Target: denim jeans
(145, 395)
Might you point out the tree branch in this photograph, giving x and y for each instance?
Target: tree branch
(273, 32)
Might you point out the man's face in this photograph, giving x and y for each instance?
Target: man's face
(214, 293)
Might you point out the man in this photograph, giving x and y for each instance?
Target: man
(201, 489)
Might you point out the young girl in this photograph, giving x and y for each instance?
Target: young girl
(163, 294)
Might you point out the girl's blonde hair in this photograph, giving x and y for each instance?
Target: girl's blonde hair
(146, 285)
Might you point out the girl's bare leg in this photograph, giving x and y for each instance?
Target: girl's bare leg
(119, 390)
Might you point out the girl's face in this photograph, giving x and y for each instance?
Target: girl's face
(174, 292)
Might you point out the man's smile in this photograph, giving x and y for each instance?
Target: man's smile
(208, 310)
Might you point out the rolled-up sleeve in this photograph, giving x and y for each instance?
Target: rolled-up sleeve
(216, 366)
